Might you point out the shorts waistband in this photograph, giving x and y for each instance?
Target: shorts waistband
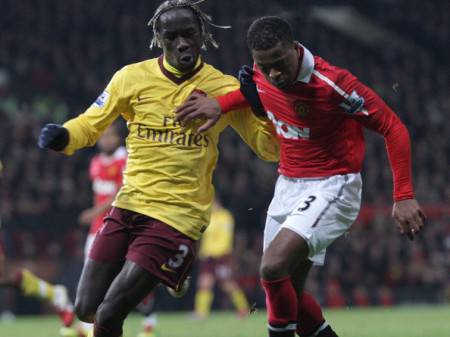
(308, 179)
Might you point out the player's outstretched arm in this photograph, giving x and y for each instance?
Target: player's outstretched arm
(359, 102)
(54, 137)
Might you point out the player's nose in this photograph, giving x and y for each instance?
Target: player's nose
(182, 45)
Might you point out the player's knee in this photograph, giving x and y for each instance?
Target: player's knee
(273, 269)
(84, 311)
(108, 320)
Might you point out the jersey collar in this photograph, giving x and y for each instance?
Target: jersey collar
(179, 79)
(307, 65)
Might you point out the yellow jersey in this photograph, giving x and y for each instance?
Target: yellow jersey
(217, 240)
(169, 170)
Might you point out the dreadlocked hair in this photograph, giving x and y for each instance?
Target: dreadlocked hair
(204, 19)
(264, 33)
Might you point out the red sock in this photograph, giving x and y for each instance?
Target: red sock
(310, 316)
(281, 302)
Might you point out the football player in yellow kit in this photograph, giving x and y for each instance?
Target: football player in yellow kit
(214, 254)
(150, 236)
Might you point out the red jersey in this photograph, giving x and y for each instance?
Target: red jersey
(106, 176)
(319, 122)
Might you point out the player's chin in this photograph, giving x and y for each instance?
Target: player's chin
(283, 83)
(186, 62)
(280, 83)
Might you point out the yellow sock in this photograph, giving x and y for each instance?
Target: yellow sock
(31, 285)
(239, 300)
(203, 301)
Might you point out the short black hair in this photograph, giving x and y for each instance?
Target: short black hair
(264, 33)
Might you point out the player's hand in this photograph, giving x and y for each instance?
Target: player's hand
(199, 106)
(249, 90)
(86, 217)
(53, 136)
(409, 217)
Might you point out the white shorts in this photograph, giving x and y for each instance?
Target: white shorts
(318, 209)
(87, 246)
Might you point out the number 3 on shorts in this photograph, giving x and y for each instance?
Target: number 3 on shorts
(306, 203)
(178, 259)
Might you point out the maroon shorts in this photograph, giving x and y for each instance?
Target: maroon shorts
(220, 267)
(155, 246)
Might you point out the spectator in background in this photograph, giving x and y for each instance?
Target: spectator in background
(29, 284)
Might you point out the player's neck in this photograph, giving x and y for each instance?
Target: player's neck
(178, 73)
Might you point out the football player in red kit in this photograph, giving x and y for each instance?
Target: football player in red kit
(319, 112)
(105, 172)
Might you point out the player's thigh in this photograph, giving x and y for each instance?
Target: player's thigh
(129, 288)
(283, 254)
(95, 281)
(106, 258)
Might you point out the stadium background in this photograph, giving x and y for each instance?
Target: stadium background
(57, 56)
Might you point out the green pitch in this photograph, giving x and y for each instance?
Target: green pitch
(420, 321)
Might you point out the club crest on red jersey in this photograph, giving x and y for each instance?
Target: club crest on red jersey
(112, 171)
(302, 109)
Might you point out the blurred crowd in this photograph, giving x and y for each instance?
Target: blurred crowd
(57, 56)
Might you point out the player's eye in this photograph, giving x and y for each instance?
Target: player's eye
(189, 33)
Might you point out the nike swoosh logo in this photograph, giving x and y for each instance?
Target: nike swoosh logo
(260, 91)
(165, 268)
